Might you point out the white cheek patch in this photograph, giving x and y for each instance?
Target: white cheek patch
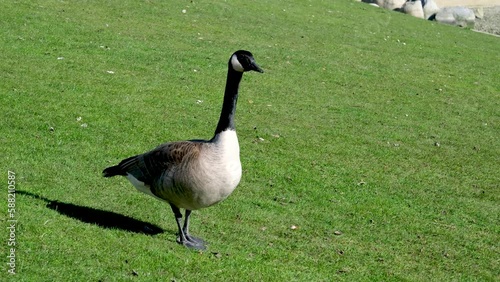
(236, 64)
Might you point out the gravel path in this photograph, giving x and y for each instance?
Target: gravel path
(467, 3)
(490, 22)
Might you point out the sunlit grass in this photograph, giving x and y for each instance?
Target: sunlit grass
(369, 146)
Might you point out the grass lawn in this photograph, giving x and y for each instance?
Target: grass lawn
(370, 146)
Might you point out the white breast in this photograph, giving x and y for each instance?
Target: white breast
(221, 168)
(228, 148)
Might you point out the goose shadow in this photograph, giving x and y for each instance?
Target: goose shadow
(101, 218)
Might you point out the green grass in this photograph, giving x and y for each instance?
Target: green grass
(381, 141)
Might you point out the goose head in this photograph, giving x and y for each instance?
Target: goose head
(242, 61)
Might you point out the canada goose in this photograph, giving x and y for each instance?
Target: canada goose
(194, 174)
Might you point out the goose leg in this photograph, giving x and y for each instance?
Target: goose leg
(188, 236)
(184, 237)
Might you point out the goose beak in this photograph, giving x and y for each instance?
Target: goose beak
(256, 67)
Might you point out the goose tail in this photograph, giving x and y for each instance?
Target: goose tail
(120, 169)
(113, 171)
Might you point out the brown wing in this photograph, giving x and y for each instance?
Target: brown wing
(150, 166)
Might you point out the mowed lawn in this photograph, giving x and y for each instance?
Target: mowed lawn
(370, 146)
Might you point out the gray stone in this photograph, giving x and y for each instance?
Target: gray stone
(479, 12)
(371, 2)
(391, 4)
(460, 16)
(430, 8)
(414, 8)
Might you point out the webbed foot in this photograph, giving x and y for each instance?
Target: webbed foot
(192, 242)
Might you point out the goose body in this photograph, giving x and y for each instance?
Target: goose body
(194, 174)
(198, 174)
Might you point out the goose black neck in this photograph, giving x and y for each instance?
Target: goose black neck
(226, 120)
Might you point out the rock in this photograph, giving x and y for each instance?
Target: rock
(460, 16)
(430, 8)
(391, 4)
(371, 2)
(479, 12)
(414, 8)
